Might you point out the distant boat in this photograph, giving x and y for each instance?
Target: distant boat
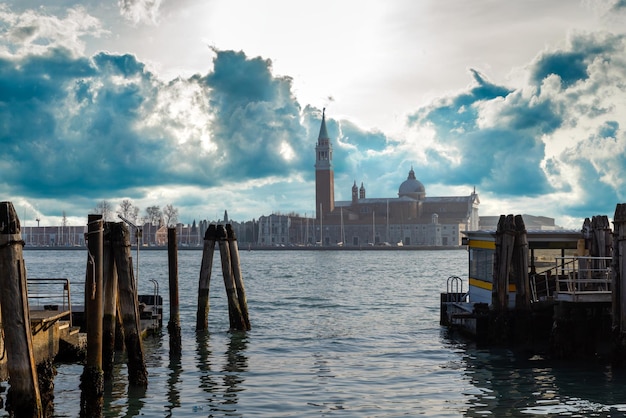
(400, 244)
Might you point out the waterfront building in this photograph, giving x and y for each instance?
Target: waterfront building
(54, 236)
(531, 222)
(411, 218)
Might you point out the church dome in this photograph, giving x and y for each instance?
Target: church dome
(412, 187)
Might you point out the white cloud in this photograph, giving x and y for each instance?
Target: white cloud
(140, 11)
(36, 33)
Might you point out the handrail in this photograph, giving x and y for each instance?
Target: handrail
(585, 274)
(454, 289)
(574, 274)
(545, 275)
(44, 290)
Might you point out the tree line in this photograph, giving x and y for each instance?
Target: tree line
(153, 215)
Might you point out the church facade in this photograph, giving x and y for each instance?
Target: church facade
(412, 218)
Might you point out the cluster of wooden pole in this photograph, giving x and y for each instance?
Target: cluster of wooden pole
(233, 280)
(23, 398)
(110, 299)
(619, 273)
(111, 307)
(597, 243)
(511, 263)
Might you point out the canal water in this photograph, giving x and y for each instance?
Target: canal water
(334, 334)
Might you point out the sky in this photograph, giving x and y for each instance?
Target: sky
(214, 105)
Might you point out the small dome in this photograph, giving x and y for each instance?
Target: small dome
(412, 187)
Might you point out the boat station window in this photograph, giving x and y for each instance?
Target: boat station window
(481, 263)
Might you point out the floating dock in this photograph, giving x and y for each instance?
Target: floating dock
(548, 292)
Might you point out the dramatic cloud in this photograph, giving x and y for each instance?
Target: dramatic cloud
(92, 126)
(80, 123)
(104, 127)
(498, 137)
(256, 118)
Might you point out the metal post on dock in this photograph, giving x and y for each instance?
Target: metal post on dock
(23, 398)
(173, 326)
(237, 276)
(92, 379)
(202, 321)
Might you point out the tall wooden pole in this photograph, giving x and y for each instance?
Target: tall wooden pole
(619, 266)
(109, 322)
(237, 276)
(128, 305)
(234, 310)
(520, 265)
(202, 317)
(505, 239)
(92, 379)
(173, 325)
(23, 398)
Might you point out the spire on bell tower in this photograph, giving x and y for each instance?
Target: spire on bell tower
(324, 174)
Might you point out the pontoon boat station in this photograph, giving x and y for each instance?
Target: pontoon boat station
(555, 292)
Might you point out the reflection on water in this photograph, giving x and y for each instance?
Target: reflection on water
(174, 382)
(121, 399)
(507, 383)
(204, 354)
(235, 364)
(136, 400)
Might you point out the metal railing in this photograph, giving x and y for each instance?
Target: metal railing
(584, 274)
(572, 275)
(454, 290)
(50, 294)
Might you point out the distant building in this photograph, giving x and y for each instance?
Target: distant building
(534, 223)
(281, 230)
(54, 236)
(412, 218)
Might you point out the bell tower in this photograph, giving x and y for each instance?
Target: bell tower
(324, 174)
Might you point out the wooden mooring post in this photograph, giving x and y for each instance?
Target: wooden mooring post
(92, 379)
(520, 265)
(173, 326)
(619, 274)
(202, 317)
(129, 305)
(109, 321)
(23, 398)
(510, 266)
(235, 315)
(505, 240)
(238, 278)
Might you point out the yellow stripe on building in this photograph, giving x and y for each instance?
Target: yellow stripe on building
(490, 245)
(488, 285)
(480, 283)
